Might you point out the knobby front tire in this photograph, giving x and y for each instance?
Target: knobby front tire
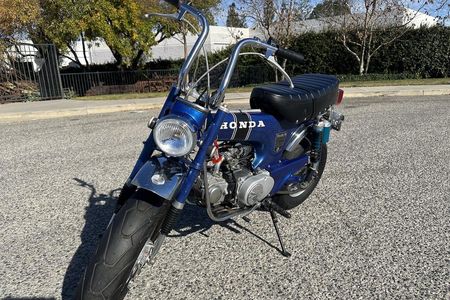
(107, 274)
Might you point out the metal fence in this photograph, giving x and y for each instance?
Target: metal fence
(145, 81)
(29, 72)
(118, 82)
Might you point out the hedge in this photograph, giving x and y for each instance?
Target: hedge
(419, 53)
(422, 53)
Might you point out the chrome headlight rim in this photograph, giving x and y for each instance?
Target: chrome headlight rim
(185, 127)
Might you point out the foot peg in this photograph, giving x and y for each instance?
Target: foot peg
(272, 207)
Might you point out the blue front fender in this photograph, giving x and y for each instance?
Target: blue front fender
(161, 176)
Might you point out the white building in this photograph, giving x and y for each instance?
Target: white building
(220, 37)
(404, 16)
(97, 52)
(417, 19)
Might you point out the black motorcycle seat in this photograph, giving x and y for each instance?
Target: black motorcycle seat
(311, 95)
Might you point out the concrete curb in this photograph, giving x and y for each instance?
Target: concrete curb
(400, 93)
(76, 112)
(236, 98)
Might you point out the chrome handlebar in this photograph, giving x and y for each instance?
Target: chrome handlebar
(198, 44)
(183, 9)
(218, 97)
(220, 93)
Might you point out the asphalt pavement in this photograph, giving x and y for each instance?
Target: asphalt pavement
(376, 227)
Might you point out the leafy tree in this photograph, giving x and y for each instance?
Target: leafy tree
(166, 29)
(15, 15)
(371, 25)
(60, 23)
(233, 18)
(330, 8)
(119, 23)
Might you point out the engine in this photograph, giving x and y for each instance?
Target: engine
(230, 178)
(253, 188)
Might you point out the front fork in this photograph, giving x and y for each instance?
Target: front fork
(149, 146)
(193, 172)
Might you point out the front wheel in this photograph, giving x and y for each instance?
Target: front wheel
(108, 273)
(290, 200)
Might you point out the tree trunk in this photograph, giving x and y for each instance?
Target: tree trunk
(366, 70)
(362, 59)
(361, 68)
(283, 65)
(83, 42)
(75, 56)
(137, 59)
(185, 47)
(118, 57)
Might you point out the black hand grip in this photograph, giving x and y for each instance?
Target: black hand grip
(290, 55)
(175, 3)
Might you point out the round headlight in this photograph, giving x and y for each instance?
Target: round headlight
(174, 137)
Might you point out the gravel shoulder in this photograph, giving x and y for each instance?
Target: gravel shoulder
(377, 226)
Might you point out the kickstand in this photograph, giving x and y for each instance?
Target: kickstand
(274, 217)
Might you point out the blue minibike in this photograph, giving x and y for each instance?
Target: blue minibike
(231, 162)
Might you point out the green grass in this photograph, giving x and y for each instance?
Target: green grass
(397, 82)
(122, 96)
(148, 95)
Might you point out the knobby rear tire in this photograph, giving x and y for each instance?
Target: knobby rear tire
(288, 202)
(107, 273)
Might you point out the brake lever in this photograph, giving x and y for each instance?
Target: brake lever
(269, 53)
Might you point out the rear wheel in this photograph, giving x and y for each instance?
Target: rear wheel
(290, 199)
(137, 222)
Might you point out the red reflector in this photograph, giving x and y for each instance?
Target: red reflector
(340, 97)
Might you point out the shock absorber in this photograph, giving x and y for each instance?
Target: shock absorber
(317, 142)
(170, 220)
(321, 136)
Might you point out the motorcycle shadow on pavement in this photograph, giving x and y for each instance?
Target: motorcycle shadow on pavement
(98, 212)
(194, 219)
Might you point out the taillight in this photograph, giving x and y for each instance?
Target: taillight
(340, 97)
